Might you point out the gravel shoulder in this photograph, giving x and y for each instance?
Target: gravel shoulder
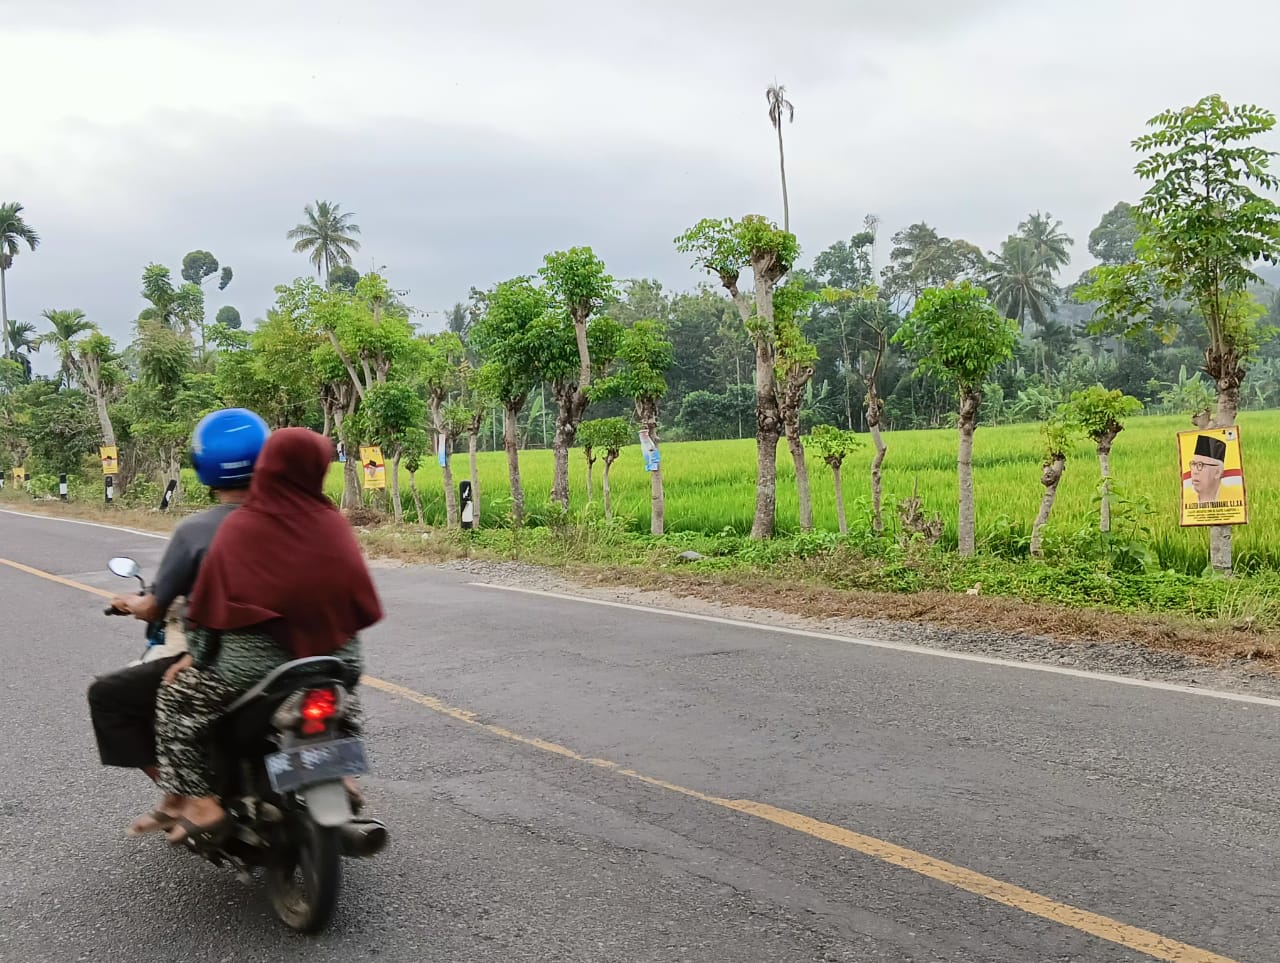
(1132, 659)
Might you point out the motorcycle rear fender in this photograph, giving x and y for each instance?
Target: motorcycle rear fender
(327, 802)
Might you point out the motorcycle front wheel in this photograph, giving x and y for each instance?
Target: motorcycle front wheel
(305, 875)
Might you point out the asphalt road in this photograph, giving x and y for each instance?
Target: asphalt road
(1156, 810)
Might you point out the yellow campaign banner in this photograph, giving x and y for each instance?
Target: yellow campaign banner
(110, 459)
(1212, 472)
(374, 468)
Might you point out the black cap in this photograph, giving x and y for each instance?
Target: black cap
(1209, 447)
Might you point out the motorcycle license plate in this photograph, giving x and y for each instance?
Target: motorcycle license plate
(304, 766)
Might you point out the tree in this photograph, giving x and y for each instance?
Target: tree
(1114, 239)
(579, 286)
(157, 287)
(344, 276)
(393, 414)
(224, 278)
(20, 345)
(796, 357)
(326, 237)
(505, 335)
(833, 445)
(874, 316)
(920, 258)
(958, 335)
(1056, 434)
(609, 435)
(228, 317)
(96, 365)
(438, 371)
(14, 232)
(1021, 282)
(1048, 241)
(67, 327)
(724, 249)
(197, 266)
(776, 95)
(1203, 226)
(645, 355)
(1100, 414)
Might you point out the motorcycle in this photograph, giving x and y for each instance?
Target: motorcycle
(279, 759)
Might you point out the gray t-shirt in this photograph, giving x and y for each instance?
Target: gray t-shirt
(181, 562)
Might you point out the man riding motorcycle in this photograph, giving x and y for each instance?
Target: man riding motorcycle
(224, 448)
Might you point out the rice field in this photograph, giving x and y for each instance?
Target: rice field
(710, 486)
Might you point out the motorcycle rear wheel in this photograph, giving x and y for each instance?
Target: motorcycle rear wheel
(305, 876)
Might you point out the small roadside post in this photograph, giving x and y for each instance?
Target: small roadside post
(466, 505)
(168, 494)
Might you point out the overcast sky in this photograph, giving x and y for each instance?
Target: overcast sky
(471, 138)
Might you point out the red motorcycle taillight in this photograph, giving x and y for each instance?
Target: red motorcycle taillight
(318, 707)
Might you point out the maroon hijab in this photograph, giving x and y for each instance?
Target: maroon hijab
(286, 559)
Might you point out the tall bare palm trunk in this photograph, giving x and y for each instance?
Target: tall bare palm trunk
(782, 166)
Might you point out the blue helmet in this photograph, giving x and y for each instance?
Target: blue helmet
(225, 446)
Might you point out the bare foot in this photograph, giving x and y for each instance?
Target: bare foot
(200, 814)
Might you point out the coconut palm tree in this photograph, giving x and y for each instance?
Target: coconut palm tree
(1020, 282)
(14, 231)
(1048, 240)
(21, 344)
(779, 105)
(326, 237)
(67, 326)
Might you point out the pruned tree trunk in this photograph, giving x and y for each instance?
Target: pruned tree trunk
(1104, 443)
(875, 411)
(510, 442)
(839, 485)
(768, 415)
(647, 416)
(609, 458)
(328, 421)
(571, 405)
(473, 443)
(417, 498)
(802, 478)
(1049, 478)
(1228, 372)
(396, 505)
(966, 522)
(450, 496)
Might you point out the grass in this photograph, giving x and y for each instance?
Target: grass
(710, 488)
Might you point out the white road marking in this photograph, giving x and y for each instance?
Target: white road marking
(901, 647)
(806, 633)
(77, 521)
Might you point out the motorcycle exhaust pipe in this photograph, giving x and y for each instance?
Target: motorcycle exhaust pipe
(362, 838)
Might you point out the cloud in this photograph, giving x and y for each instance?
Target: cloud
(470, 139)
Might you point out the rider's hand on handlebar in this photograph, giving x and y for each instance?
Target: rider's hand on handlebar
(142, 607)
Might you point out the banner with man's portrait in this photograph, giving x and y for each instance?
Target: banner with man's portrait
(1212, 468)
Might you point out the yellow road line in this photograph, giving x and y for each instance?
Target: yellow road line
(50, 577)
(1113, 931)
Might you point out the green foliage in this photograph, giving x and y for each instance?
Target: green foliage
(505, 335)
(832, 444)
(393, 415)
(726, 247)
(326, 236)
(224, 278)
(644, 356)
(1100, 413)
(610, 435)
(344, 276)
(228, 317)
(577, 282)
(197, 266)
(1114, 240)
(957, 335)
(920, 258)
(59, 427)
(1203, 227)
(1058, 433)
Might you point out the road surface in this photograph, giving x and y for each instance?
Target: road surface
(570, 781)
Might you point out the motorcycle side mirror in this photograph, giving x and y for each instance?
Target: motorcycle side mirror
(124, 567)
